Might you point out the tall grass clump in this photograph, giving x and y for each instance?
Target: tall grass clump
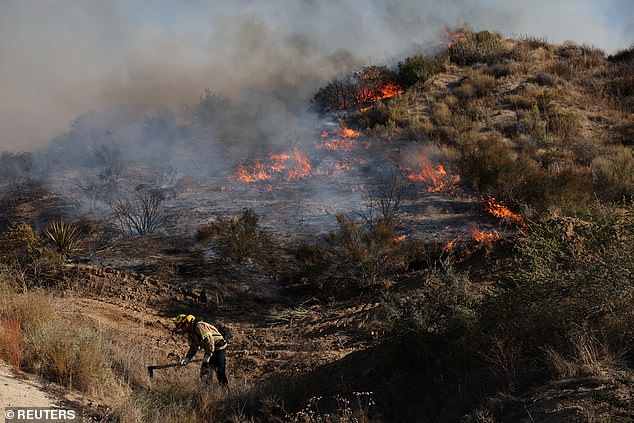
(614, 173)
(180, 397)
(477, 47)
(626, 131)
(477, 85)
(11, 342)
(37, 340)
(71, 355)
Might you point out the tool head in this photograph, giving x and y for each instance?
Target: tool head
(150, 371)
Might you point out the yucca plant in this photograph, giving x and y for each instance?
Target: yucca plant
(64, 237)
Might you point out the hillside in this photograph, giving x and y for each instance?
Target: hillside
(449, 239)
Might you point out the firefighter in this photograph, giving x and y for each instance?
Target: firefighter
(203, 335)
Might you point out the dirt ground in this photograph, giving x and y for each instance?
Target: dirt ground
(20, 390)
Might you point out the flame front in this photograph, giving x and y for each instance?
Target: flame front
(302, 168)
(343, 139)
(502, 212)
(435, 177)
(256, 172)
(482, 237)
(372, 92)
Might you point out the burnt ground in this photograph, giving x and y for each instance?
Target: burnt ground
(132, 287)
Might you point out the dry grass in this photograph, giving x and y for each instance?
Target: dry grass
(11, 342)
(591, 356)
(36, 339)
(614, 173)
(73, 356)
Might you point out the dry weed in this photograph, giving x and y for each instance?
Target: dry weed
(11, 341)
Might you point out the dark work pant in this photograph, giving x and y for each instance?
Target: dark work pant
(218, 361)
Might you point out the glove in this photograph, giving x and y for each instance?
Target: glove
(206, 359)
(185, 361)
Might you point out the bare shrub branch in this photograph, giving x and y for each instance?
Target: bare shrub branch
(142, 215)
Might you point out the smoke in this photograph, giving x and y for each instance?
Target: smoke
(62, 58)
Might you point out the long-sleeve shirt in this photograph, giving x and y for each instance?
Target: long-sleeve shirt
(205, 336)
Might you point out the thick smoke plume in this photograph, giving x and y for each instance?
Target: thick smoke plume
(62, 58)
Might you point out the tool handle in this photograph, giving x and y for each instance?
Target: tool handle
(165, 366)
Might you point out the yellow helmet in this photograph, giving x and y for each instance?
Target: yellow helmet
(183, 319)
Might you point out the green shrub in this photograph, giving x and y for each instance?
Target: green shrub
(485, 160)
(20, 245)
(25, 259)
(419, 68)
(234, 237)
(448, 126)
(532, 123)
(366, 255)
(559, 282)
(447, 306)
(563, 123)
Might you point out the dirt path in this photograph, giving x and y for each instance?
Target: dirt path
(20, 391)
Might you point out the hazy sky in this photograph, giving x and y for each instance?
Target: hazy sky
(60, 58)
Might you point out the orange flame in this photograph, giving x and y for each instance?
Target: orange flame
(463, 246)
(257, 172)
(349, 133)
(377, 91)
(340, 140)
(502, 212)
(390, 90)
(452, 38)
(482, 237)
(302, 168)
(339, 144)
(436, 178)
(400, 238)
(278, 161)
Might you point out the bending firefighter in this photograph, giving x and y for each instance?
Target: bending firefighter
(205, 336)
